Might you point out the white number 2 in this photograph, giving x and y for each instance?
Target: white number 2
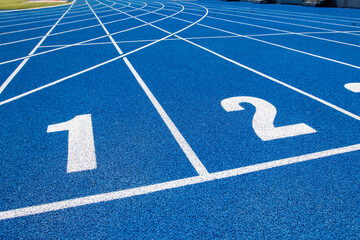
(81, 148)
(263, 120)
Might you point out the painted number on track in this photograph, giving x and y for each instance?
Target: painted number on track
(263, 120)
(81, 148)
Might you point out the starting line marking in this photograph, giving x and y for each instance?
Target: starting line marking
(105, 197)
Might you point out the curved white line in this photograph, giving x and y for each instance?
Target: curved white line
(101, 64)
(89, 40)
(43, 16)
(40, 21)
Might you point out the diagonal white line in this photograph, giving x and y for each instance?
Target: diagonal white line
(262, 74)
(280, 30)
(286, 12)
(91, 68)
(38, 21)
(292, 20)
(18, 18)
(189, 38)
(191, 155)
(61, 24)
(71, 30)
(89, 40)
(275, 29)
(22, 64)
(116, 195)
(298, 14)
(270, 43)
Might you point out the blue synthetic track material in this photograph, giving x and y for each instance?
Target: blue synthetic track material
(156, 116)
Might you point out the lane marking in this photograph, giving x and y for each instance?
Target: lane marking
(223, 57)
(22, 64)
(76, 29)
(270, 43)
(275, 29)
(189, 38)
(287, 12)
(287, 23)
(280, 30)
(279, 82)
(40, 21)
(89, 40)
(297, 19)
(116, 195)
(17, 19)
(302, 14)
(191, 155)
(264, 75)
(60, 24)
(90, 68)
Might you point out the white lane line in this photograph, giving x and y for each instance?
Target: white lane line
(75, 29)
(266, 76)
(89, 40)
(116, 195)
(61, 24)
(189, 38)
(287, 23)
(17, 19)
(275, 29)
(280, 30)
(22, 64)
(278, 81)
(104, 28)
(270, 43)
(98, 65)
(39, 21)
(189, 152)
(297, 19)
(241, 15)
(301, 14)
(191, 155)
(311, 17)
(287, 48)
(287, 12)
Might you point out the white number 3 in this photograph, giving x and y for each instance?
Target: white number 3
(263, 120)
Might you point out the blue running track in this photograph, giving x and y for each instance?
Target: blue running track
(179, 120)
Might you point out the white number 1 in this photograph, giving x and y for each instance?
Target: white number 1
(81, 148)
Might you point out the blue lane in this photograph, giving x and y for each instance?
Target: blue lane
(13, 38)
(320, 12)
(50, 67)
(279, 20)
(341, 37)
(339, 52)
(133, 145)
(17, 50)
(319, 77)
(192, 95)
(8, 28)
